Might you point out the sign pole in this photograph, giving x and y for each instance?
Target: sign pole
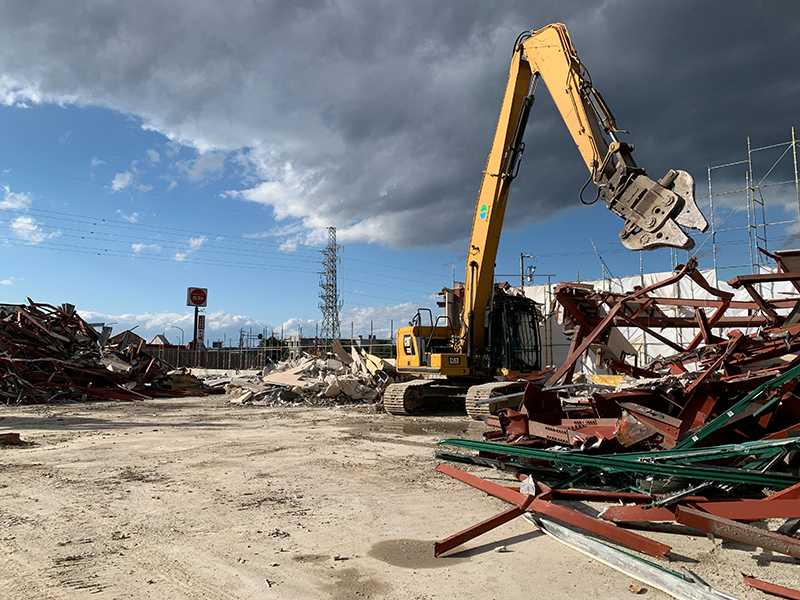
(196, 297)
(194, 339)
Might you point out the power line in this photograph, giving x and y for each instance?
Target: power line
(227, 241)
(143, 193)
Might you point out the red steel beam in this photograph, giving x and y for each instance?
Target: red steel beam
(792, 493)
(685, 322)
(772, 588)
(736, 339)
(493, 489)
(735, 304)
(655, 334)
(562, 513)
(701, 281)
(469, 533)
(646, 305)
(741, 280)
(613, 496)
(762, 304)
(521, 502)
(733, 530)
(739, 510)
(636, 513)
(754, 510)
(575, 353)
(601, 528)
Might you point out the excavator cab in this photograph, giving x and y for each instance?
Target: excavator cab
(514, 336)
(426, 346)
(431, 346)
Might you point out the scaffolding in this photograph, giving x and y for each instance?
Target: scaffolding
(751, 214)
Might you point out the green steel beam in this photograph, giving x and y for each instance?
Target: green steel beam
(722, 419)
(635, 463)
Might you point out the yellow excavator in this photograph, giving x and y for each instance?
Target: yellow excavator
(487, 339)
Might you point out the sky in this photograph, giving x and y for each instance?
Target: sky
(153, 146)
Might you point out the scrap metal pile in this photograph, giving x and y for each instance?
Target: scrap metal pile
(707, 437)
(50, 354)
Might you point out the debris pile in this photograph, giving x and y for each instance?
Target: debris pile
(707, 438)
(50, 354)
(350, 377)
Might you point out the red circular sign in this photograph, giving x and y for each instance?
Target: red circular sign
(197, 297)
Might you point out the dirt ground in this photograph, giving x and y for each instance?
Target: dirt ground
(195, 498)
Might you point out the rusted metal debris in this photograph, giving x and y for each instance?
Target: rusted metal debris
(738, 387)
(708, 437)
(50, 354)
(740, 532)
(771, 588)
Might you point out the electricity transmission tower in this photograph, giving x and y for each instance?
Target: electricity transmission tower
(330, 304)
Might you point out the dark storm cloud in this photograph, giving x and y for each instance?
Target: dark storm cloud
(377, 116)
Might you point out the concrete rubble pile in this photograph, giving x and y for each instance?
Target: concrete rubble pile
(707, 438)
(50, 354)
(350, 377)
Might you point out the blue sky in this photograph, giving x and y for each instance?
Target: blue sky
(150, 148)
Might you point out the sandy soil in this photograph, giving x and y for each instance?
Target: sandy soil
(195, 498)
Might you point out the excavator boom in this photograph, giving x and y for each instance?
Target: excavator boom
(653, 211)
(494, 332)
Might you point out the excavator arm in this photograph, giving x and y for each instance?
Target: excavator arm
(653, 211)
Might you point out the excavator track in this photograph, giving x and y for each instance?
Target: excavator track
(404, 398)
(424, 395)
(485, 391)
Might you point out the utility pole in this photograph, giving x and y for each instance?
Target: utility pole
(603, 264)
(330, 303)
(522, 258)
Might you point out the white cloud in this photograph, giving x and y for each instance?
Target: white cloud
(131, 218)
(154, 156)
(26, 228)
(137, 248)
(220, 320)
(195, 243)
(374, 125)
(150, 324)
(173, 149)
(296, 326)
(378, 317)
(96, 162)
(121, 181)
(284, 194)
(194, 246)
(6, 282)
(359, 320)
(14, 200)
(288, 245)
(377, 138)
(208, 164)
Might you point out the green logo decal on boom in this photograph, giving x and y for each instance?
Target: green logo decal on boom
(484, 211)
